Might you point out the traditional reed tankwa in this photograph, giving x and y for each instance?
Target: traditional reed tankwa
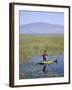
(48, 62)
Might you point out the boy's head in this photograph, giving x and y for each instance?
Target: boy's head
(45, 50)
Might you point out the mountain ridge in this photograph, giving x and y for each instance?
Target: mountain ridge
(40, 27)
(42, 23)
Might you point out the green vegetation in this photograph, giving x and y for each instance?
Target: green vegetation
(34, 44)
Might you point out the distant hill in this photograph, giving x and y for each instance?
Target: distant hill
(41, 28)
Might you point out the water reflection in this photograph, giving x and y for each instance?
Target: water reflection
(44, 68)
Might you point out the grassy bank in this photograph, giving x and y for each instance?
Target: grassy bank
(33, 45)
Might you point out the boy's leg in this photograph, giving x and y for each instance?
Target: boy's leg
(44, 59)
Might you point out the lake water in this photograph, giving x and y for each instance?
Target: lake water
(31, 69)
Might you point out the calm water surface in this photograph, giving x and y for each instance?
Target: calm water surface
(33, 70)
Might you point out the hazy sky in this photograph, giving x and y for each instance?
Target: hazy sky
(27, 17)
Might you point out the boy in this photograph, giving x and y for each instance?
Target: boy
(44, 55)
